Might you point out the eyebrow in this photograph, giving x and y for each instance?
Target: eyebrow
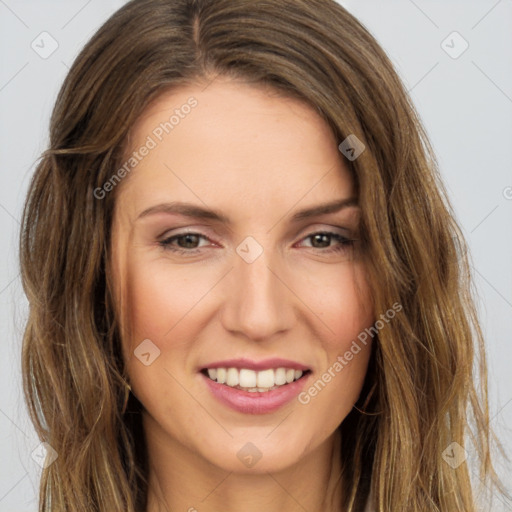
(198, 212)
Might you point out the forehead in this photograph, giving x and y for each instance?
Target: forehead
(244, 112)
(244, 141)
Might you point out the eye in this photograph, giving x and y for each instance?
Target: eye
(322, 240)
(187, 243)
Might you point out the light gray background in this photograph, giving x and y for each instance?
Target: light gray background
(465, 104)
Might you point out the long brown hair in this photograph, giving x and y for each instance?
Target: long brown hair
(420, 391)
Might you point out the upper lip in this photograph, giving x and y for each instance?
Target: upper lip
(264, 364)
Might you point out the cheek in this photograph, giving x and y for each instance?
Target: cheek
(346, 312)
(156, 304)
(340, 383)
(336, 387)
(340, 298)
(163, 305)
(159, 299)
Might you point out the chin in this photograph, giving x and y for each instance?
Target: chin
(257, 453)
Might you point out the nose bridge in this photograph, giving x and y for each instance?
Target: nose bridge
(257, 302)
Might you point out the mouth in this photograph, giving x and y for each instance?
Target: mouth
(255, 381)
(249, 391)
(251, 386)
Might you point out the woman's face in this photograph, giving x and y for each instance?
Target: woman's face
(255, 286)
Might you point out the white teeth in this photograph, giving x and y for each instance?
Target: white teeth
(265, 379)
(232, 377)
(247, 378)
(254, 381)
(280, 377)
(221, 375)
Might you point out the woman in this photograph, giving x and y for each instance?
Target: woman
(246, 285)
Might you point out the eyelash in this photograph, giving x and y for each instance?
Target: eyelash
(344, 243)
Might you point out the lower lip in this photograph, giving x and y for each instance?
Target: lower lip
(258, 402)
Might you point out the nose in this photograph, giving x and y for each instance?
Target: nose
(258, 303)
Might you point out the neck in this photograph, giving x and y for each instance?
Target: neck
(180, 479)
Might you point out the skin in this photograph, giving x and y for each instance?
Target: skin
(258, 158)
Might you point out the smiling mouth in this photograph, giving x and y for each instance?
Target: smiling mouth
(254, 381)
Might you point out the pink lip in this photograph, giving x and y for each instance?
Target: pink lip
(265, 364)
(255, 403)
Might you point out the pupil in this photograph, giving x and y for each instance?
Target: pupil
(189, 239)
(321, 237)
